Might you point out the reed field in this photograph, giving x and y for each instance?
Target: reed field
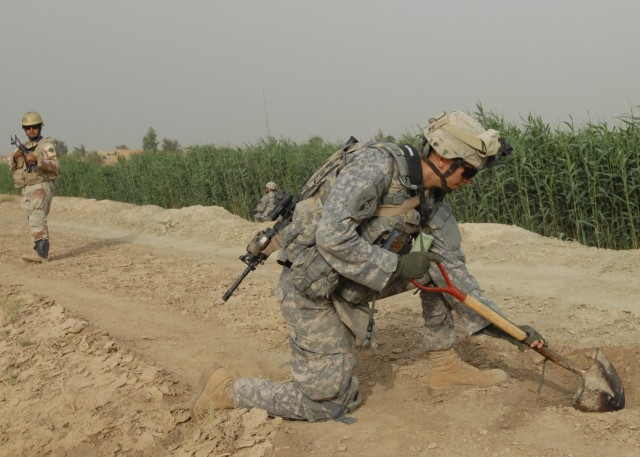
(574, 183)
(571, 183)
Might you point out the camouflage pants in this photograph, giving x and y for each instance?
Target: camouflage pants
(446, 320)
(322, 346)
(322, 362)
(36, 202)
(440, 331)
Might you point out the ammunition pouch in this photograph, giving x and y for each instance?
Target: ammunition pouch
(312, 274)
(300, 233)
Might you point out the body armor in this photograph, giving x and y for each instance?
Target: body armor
(310, 272)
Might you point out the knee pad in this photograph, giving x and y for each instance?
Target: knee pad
(331, 410)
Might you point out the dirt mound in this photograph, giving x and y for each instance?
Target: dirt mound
(212, 223)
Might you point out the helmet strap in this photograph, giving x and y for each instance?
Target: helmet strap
(443, 176)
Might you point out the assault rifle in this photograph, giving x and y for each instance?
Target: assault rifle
(17, 143)
(257, 251)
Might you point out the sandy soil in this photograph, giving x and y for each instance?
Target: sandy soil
(100, 349)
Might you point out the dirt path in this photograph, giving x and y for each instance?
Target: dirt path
(101, 347)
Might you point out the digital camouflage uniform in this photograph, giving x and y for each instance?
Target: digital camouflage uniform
(265, 206)
(322, 336)
(37, 187)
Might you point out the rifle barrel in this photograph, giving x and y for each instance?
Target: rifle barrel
(237, 282)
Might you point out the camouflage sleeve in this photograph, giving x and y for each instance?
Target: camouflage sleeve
(262, 204)
(12, 163)
(47, 157)
(353, 199)
(447, 243)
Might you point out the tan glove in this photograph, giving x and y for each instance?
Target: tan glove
(17, 155)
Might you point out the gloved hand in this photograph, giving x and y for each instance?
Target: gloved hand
(414, 265)
(31, 159)
(532, 335)
(17, 155)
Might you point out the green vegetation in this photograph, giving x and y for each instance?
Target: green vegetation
(574, 183)
(229, 177)
(61, 148)
(150, 140)
(9, 310)
(571, 183)
(6, 181)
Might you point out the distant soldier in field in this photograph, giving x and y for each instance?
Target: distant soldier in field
(35, 167)
(266, 203)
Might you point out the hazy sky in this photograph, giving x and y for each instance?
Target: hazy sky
(232, 71)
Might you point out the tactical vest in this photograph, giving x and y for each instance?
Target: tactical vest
(23, 178)
(393, 226)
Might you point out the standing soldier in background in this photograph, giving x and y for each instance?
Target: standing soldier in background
(266, 203)
(35, 167)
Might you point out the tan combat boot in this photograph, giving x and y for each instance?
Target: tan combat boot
(34, 257)
(448, 370)
(215, 392)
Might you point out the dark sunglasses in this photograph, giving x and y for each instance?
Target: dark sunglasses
(28, 127)
(469, 172)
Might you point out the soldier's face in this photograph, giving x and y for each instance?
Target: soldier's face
(463, 174)
(460, 176)
(32, 131)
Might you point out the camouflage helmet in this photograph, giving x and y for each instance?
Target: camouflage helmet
(31, 118)
(456, 135)
(271, 186)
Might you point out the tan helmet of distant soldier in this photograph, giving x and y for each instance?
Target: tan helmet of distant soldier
(456, 135)
(31, 118)
(271, 186)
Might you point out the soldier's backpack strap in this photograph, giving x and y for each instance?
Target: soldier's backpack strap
(410, 168)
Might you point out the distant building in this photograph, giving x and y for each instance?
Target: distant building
(111, 157)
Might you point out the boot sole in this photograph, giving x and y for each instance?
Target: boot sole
(202, 382)
(29, 259)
